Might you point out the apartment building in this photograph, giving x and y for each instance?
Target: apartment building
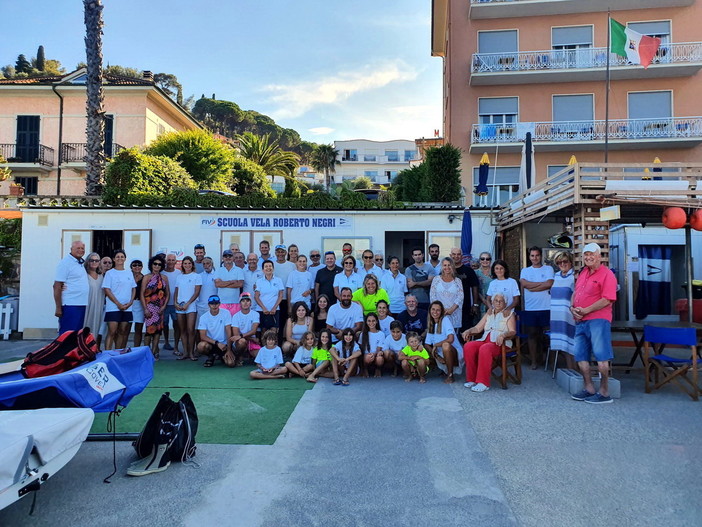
(379, 160)
(540, 66)
(42, 126)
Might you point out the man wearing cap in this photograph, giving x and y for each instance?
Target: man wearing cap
(229, 279)
(595, 292)
(71, 290)
(536, 281)
(215, 331)
(324, 279)
(199, 252)
(245, 330)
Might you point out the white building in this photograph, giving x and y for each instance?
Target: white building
(379, 160)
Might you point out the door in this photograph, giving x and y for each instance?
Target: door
(105, 243)
(401, 243)
(109, 134)
(137, 245)
(68, 237)
(27, 150)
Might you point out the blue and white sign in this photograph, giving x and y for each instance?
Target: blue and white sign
(259, 222)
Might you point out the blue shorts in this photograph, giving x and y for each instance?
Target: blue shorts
(593, 337)
(541, 319)
(170, 313)
(72, 318)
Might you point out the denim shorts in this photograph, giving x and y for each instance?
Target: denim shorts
(170, 313)
(593, 337)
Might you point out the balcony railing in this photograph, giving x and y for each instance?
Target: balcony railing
(37, 154)
(618, 129)
(678, 53)
(484, 9)
(77, 152)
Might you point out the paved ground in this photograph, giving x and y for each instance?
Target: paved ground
(383, 452)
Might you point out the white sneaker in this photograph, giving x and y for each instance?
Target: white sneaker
(479, 388)
(469, 384)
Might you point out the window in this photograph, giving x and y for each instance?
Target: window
(392, 155)
(390, 174)
(571, 46)
(371, 174)
(359, 244)
(109, 135)
(350, 155)
(370, 158)
(503, 185)
(497, 42)
(29, 184)
(660, 29)
(410, 155)
(498, 110)
(27, 138)
(650, 105)
(573, 108)
(555, 169)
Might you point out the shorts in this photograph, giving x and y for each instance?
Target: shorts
(540, 319)
(270, 321)
(72, 318)
(593, 337)
(211, 348)
(192, 308)
(118, 316)
(252, 346)
(169, 313)
(232, 308)
(137, 313)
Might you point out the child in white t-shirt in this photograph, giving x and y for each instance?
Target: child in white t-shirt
(394, 343)
(269, 359)
(345, 357)
(301, 363)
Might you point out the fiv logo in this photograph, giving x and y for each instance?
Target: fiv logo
(208, 222)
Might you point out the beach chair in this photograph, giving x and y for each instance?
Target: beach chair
(680, 367)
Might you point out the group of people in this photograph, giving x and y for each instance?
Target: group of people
(298, 316)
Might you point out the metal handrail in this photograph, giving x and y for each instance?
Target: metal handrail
(584, 58)
(37, 154)
(669, 128)
(77, 152)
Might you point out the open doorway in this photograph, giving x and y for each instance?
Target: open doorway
(401, 243)
(105, 243)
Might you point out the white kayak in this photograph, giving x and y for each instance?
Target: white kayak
(35, 444)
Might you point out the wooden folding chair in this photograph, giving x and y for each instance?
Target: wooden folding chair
(674, 366)
(508, 358)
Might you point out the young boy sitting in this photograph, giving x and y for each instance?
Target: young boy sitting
(269, 359)
(414, 358)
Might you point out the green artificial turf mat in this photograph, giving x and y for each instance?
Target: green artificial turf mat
(231, 408)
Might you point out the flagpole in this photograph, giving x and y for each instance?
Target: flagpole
(609, 36)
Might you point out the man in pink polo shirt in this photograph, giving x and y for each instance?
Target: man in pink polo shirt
(595, 292)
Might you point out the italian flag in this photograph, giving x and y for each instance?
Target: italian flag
(638, 48)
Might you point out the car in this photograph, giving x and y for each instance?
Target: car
(217, 192)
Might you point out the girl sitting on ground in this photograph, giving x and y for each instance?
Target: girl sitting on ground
(269, 359)
(345, 357)
(301, 363)
(415, 359)
(393, 345)
(321, 357)
(372, 342)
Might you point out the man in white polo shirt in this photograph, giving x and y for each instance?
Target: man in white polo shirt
(72, 300)
(245, 330)
(536, 281)
(229, 280)
(344, 314)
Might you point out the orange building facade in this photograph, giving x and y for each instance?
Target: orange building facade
(512, 67)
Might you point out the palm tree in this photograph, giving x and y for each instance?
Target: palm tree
(267, 154)
(324, 159)
(95, 127)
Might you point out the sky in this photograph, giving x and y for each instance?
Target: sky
(331, 70)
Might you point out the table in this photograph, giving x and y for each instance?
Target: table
(635, 327)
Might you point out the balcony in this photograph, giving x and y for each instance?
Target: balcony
(481, 9)
(22, 158)
(682, 59)
(624, 134)
(76, 153)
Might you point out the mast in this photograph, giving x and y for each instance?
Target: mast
(609, 36)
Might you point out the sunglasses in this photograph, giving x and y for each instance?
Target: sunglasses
(137, 265)
(159, 264)
(94, 261)
(315, 255)
(486, 259)
(348, 263)
(367, 257)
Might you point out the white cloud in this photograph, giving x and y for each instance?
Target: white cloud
(296, 99)
(321, 130)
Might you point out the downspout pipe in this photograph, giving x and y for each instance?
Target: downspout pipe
(60, 140)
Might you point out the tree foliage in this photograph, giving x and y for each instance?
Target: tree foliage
(410, 184)
(267, 153)
(324, 159)
(22, 65)
(133, 173)
(443, 173)
(40, 63)
(95, 124)
(249, 178)
(207, 160)
(362, 182)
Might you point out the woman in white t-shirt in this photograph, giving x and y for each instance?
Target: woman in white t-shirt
(187, 290)
(502, 283)
(441, 341)
(120, 290)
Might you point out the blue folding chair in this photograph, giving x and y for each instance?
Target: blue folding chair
(674, 366)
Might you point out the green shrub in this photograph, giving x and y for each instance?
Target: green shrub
(248, 177)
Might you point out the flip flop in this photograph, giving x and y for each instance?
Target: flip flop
(337, 382)
(194, 359)
(181, 357)
(178, 353)
(345, 383)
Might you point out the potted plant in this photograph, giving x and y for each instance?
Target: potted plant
(16, 189)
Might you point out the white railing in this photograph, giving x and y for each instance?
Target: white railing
(618, 129)
(587, 58)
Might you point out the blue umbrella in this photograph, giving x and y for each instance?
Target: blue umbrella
(481, 189)
(467, 237)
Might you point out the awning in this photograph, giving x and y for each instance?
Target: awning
(10, 214)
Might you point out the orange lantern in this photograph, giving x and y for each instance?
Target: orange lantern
(674, 217)
(696, 220)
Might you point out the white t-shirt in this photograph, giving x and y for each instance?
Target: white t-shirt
(303, 355)
(207, 290)
(120, 283)
(229, 295)
(299, 282)
(446, 330)
(385, 324)
(245, 321)
(395, 345)
(215, 325)
(73, 275)
(186, 284)
(268, 291)
(269, 358)
(507, 287)
(537, 300)
(172, 278)
(282, 271)
(346, 354)
(375, 340)
(341, 318)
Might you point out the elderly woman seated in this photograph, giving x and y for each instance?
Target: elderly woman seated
(498, 326)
